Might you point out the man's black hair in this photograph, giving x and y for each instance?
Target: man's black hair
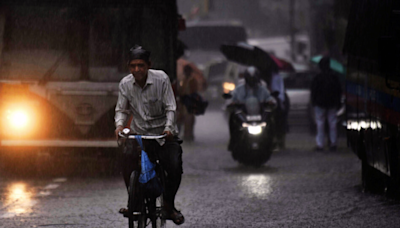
(138, 52)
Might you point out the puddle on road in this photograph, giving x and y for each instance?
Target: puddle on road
(19, 197)
(18, 200)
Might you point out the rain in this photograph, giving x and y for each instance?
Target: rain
(286, 112)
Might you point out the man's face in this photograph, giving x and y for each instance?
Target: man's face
(138, 68)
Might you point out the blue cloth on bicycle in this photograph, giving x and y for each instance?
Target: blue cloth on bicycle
(147, 172)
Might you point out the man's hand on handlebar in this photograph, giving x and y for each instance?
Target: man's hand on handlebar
(117, 130)
(169, 136)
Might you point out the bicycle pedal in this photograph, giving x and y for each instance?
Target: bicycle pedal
(134, 214)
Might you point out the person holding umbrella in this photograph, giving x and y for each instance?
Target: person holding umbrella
(326, 93)
(251, 88)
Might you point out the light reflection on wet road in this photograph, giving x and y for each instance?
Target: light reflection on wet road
(18, 200)
(257, 185)
(296, 188)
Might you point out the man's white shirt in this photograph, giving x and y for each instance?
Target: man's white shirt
(152, 107)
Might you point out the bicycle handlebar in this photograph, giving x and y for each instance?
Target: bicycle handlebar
(128, 136)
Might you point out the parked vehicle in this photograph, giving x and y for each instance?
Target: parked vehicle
(224, 75)
(297, 87)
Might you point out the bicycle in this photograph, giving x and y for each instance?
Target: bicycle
(144, 210)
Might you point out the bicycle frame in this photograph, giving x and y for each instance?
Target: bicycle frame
(149, 208)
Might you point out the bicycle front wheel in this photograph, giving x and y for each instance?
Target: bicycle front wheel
(160, 221)
(136, 207)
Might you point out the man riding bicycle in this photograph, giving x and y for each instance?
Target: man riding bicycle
(147, 94)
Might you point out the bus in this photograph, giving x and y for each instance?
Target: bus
(372, 47)
(203, 40)
(60, 66)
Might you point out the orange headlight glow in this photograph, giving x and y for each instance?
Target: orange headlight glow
(228, 87)
(20, 119)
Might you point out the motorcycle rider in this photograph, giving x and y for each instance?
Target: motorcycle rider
(251, 87)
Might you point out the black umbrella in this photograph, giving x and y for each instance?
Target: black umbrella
(247, 54)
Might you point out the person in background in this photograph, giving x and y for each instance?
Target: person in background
(251, 87)
(148, 95)
(277, 85)
(186, 87)
(326, 92)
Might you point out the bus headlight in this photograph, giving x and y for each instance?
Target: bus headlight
(20, 120)
(17, 118)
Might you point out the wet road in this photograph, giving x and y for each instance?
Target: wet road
(296, 188)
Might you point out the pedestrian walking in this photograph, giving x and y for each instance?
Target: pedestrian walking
(326, 93)
(186, 87)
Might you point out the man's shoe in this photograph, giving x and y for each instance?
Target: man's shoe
(170, 213)
(174, 215)
(124, 211)
(333, 148)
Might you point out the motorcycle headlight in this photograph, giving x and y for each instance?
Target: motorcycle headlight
(254, 130)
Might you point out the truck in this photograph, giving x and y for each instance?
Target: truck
(60, 66)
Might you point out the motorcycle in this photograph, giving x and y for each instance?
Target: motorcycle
(252, 129)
